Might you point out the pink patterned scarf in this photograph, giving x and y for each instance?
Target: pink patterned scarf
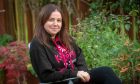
(65, 54)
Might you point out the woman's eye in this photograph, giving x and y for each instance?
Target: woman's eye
(59, 20)
(51, 20)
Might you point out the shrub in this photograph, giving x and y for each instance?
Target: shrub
(104, 44)
(5, 38)
(13, 60)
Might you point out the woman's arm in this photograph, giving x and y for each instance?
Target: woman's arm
(81, 66)
(41, 64)
(43, 67)
(80, 62)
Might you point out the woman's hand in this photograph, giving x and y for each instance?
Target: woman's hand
(84, 76)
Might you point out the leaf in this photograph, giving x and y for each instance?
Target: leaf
(127, 27)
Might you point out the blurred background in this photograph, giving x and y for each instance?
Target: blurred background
(108, 31)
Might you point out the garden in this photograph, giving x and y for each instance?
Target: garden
(109, 35)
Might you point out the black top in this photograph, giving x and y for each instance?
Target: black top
(47, 67)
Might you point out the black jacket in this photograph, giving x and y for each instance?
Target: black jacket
(46, 66)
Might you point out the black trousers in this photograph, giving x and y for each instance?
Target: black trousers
(101, 75)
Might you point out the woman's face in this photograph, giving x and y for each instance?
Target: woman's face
(54, 23)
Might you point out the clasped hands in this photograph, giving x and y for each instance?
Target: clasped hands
(84, 76)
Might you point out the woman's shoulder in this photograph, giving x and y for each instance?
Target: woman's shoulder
(35, 42)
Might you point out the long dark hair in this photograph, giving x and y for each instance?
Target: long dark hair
(40, 32)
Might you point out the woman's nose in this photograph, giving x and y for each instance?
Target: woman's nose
(55, 22)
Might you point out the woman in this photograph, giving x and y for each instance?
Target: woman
(55, 56)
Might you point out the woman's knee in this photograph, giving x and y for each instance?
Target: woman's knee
(105, 69)
(102, 74)
(101, 71)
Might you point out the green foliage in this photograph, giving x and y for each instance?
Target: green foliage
(105, 43)
(1, 76)
(121, 6)
(128, 62)
(5, 38)
(99, 40)
(31, 69)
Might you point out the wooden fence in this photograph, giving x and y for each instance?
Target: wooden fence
(17, 17)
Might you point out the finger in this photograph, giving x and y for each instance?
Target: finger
(82, 78)
(86, 76)
(83, 75)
